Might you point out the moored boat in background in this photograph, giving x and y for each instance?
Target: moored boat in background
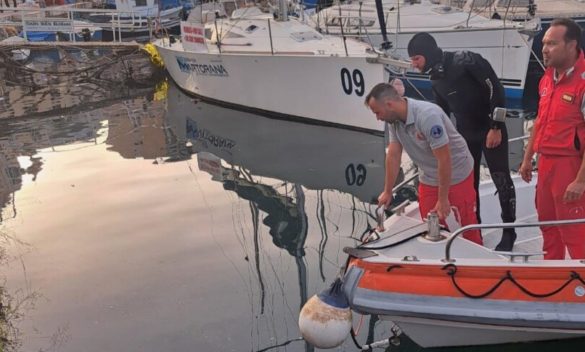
(138, 19)
(505, 44)
(525, 10)
(80, 31)
(251, 61)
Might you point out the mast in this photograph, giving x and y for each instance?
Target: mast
(283, 10)
(382, 21)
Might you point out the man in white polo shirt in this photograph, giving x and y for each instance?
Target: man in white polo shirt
(434, 145)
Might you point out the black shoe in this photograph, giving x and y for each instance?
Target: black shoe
(507, 242)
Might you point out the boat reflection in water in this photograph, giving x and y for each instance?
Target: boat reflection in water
(135, 244)
(316, 157)
(276, 165)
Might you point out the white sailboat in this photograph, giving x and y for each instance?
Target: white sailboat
(524, 10)
(506, 45)
(278, 67)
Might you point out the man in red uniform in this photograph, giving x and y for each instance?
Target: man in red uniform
(559, 139)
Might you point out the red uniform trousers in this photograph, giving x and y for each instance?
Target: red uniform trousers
(461, 197)
(555, 173)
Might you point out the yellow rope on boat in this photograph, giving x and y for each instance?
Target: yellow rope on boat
(155, 57)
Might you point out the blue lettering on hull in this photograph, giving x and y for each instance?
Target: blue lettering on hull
(191, 66)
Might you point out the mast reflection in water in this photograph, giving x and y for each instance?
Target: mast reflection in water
(177, 225)
(130, 242)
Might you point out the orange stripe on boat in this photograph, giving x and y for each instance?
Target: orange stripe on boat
(433, 280)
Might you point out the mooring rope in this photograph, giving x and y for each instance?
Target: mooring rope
(451, 270)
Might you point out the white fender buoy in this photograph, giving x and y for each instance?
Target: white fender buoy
(325, 320)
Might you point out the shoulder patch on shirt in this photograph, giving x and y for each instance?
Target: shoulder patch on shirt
(568, 98)
(543, 92)
(436, 131)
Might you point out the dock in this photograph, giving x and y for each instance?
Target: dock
(64, 45)
(40, 63)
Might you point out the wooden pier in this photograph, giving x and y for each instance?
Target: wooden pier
(57, 62)
(65, 45)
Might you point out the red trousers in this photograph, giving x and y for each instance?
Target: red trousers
(555, 173)
(461, 197)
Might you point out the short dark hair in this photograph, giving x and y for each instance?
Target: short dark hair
(573, 30)
(382, 90)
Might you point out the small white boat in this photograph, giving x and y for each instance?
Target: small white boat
(442, 290)
(283, 67)
(505, 44)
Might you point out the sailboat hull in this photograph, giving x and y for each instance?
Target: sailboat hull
(326, 90)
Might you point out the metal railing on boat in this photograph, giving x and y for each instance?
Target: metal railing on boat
(503, 225)
(67, 15)
(455, 234)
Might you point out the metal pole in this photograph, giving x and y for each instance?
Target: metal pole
(270, 36)
(397, 18)
(113, 27)
(469, 15)
(120, 27)
(506, 14)
(70, 17)
(403, 183)
(360, 19)
(283, 7)
(149, 21)
(217, 37)
(341, 28)
(23, 26)
(302, 9)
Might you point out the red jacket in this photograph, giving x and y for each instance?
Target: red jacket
(561, 127)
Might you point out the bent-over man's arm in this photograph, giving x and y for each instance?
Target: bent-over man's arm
(393, 159)
(443, 155)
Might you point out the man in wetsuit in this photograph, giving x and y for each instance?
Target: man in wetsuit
(465, 85)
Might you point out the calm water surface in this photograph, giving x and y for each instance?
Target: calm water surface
(141, 219)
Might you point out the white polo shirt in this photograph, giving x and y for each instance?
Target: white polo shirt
(427, 128)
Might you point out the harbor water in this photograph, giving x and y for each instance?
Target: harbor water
(140, 219)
